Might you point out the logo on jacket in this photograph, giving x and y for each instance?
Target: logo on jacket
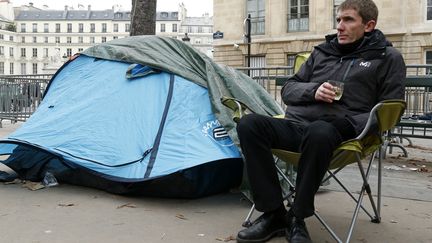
(365, 64)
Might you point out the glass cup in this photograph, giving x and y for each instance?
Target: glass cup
(338, 88)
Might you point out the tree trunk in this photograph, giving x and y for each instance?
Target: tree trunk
(143, 17)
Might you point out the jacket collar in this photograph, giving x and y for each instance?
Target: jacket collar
(373, 41)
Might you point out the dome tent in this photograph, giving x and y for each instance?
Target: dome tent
(138, 115)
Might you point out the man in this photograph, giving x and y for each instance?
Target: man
(315, 123)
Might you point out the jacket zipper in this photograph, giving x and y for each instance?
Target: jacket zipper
(348, 69)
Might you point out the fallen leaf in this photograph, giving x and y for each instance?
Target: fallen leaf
(16, 181)
(127, 205)
(393, 221)
(33, 185)
(181, 216)
(423, 169)
(226, 239)
(66, 205)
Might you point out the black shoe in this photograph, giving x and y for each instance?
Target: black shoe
(267, 226)
(298, 232)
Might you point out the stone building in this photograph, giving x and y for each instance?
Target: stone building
(38, 40)
(283, 28)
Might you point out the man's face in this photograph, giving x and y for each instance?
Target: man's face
(350, 26)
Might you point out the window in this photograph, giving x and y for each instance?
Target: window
(200, 29)
(23, 52)
(46, 28)
(174, 28)
(256, 8)
(34, 27)
(115, 37)
(69, 28)
(92, 28)
(11, 68)
(116, 28)
(429, 60)
(80, 27)
(103, 39)
(46, 39)
(34, 39)
(45, 52)
(11, 38)
(335, 6)
(57, 28)
(80, 39)
(34, 68)
(23, 27)
(127, 27)
(69, 40)
(69, 52)
(290, 63)
(104, 28)
(162, 28)
(1, 67)
(23, 68)
(80, 49)
(23, 39)
(2, 51)
(11, 51)
(429, 10)
(34, 51)
(92, 39)
(298, 15)
(257, 62)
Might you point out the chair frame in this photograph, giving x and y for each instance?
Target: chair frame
(392, 106)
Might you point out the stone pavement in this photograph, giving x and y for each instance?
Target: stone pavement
(67, 213)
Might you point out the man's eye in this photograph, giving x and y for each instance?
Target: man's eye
(338, 20)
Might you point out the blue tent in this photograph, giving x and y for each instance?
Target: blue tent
(131, 126)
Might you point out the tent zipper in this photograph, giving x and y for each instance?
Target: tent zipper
(161, 127)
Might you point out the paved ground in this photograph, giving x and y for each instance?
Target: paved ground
(67, 213)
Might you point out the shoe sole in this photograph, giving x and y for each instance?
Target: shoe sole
(278, 233)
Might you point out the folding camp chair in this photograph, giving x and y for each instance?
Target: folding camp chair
(387, 114)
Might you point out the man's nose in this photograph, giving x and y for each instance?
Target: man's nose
(340, 26)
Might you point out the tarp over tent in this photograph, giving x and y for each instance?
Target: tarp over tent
(138, 115)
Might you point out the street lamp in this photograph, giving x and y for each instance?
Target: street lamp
(247, 36)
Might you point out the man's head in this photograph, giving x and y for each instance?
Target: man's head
(355, 17)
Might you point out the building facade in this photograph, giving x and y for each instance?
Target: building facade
(282, 28)
(38, 41)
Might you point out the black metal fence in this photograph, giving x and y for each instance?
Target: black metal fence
(20, 95)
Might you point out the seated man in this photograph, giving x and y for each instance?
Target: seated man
(315, 123)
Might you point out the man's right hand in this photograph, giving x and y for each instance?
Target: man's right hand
(325, 93)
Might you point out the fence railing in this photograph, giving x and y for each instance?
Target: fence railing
(418, 97)
(20, 95)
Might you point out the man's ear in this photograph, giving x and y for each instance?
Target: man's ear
(370, 25)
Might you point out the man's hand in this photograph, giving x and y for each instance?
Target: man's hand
(325, 93)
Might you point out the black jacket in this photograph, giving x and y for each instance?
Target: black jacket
(375, 71)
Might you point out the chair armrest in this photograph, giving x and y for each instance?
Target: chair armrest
(238, 107)
(386, 113)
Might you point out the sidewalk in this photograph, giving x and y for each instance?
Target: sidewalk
(69, 213)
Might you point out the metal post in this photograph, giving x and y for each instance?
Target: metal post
(248, 39)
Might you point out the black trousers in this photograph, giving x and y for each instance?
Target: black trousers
(259, 134)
